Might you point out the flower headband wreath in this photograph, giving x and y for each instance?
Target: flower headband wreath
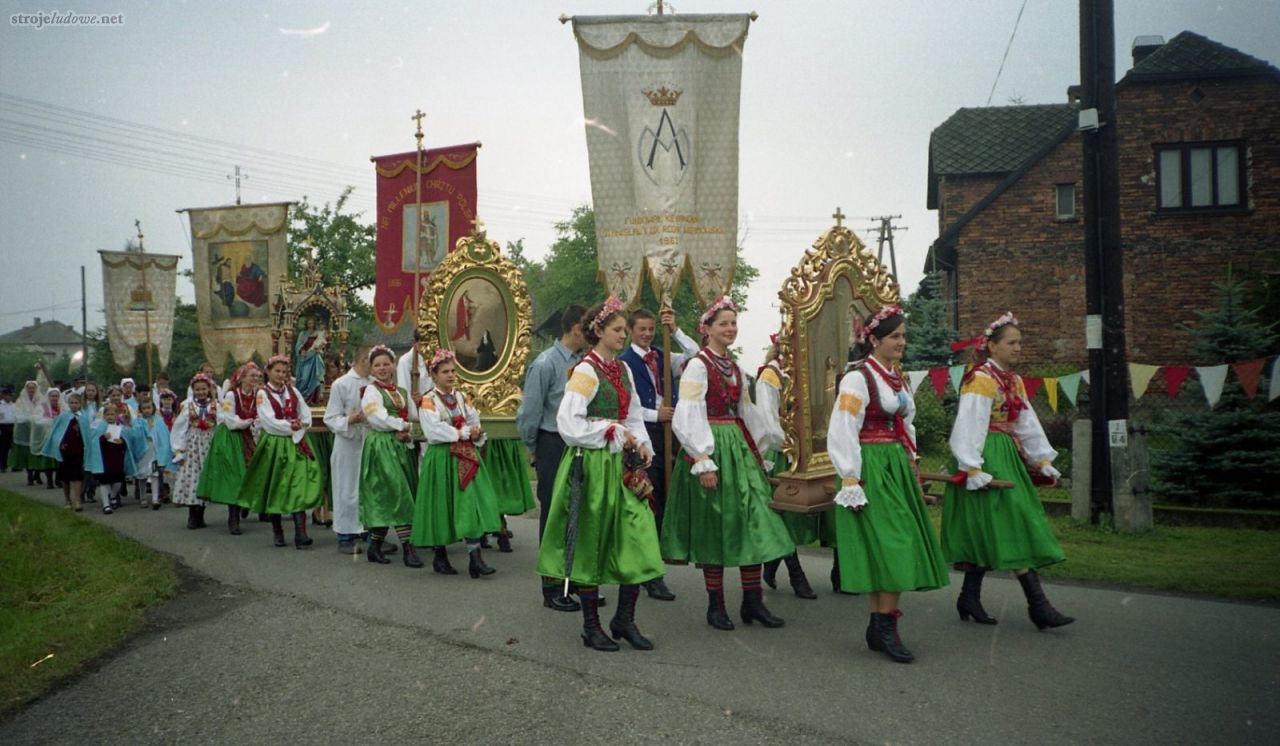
(241, 371)
(863, 331)
(278, 359)
(612, 305)
(380, 348)
(723, 303)
(441, 357)
(983, 339)
(197, 378)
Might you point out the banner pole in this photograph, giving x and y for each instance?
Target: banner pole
(146, 303)
(417, 255)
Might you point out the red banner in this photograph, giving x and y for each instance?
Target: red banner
(447, 178)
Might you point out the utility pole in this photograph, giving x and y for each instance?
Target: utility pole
(84, 329)
(237, 178)
(1104, 262)
(886, 229)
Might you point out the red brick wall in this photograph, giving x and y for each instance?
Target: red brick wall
(1016, 255)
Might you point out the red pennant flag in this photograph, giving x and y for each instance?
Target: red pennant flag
(1032, 385)
(1174, 375)
(939, 378)
(448, 181)
(1248, 372)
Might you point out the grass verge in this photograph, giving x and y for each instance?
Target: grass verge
(71, 590)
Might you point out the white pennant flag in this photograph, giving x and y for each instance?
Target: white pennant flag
(914, 377)
(1212, 378)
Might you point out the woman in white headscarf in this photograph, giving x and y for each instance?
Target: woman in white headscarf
(41, 423)
(27, 405)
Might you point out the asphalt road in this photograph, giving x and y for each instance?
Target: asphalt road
(281, 645)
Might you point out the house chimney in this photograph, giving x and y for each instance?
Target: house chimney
(1073, 93)
(37, 321)
(1144, 46)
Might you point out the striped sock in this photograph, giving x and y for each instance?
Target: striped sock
(713, 576)
(378, 534)
(402, 533)
(750, 577)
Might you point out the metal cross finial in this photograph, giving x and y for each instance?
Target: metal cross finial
(418, 116)
(138, 224)
(839, 216)
(477, 225)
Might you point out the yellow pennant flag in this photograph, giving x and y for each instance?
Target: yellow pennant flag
(1051, 391)
(1140, 375)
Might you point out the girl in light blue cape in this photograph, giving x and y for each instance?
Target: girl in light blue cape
(73, 445)
(149, 439)
(113, 432)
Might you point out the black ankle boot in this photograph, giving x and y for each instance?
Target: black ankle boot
(440, 563)
(374, 552)
(716, 615)
(233, 519)
(475, 564)
(887, 639)
(199, 516)
(799, 583)
(592, 636)
(192, 512)
(300, 538)
(49, 480)
(623, 624)
(277, 529)
(969, 604)
(410, 557)
(504, 542)
(754, 610)
(1039, 609)
(770, 572)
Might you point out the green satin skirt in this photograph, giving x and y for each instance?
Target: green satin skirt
(279, 479)
(998, 529)
(617, 539)
(388, 481)
(888, 545)
(508, 471)
(224, 469)
(322, 443)
(445, 513)
(732, 525)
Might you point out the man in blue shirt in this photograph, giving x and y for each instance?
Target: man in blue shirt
(536, 419)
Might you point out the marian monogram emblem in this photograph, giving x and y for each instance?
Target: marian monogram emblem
(663, 147)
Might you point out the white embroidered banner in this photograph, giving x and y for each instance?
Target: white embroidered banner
(660, 100)
(139, 293)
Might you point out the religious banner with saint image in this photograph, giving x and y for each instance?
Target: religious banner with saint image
(240, 253)
(448, 205)
(139, 294)
(660, 99)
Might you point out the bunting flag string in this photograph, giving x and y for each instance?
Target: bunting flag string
(957, 376)
(914, 377)
(1071, 385)
(1174, 375)
(1051, 391)
(1248, 371)
(1032, 384)
(939, 378)
(1140, 375)
(1212, 377)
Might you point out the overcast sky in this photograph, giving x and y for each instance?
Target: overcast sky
(838, 102)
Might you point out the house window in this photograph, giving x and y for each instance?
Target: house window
(1200, 176)
(1065, 198)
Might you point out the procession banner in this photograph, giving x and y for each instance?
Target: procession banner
(448, 207)
(240, 255)
(139, 292)
(660, 97)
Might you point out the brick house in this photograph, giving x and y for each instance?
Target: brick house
(1198, 136)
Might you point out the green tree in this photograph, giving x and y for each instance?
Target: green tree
(344, 248)
(929, 331)
(1226, 456)
(569, 274)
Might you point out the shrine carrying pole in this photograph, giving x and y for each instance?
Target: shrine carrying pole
(417, 256)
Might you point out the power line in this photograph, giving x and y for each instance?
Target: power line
(1006, 51)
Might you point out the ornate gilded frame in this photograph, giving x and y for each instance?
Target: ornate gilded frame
(292, 302)
(835, 279)
(496, 389)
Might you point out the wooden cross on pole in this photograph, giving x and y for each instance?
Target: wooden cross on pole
(417, 117)
(138, 224)
(839, 216)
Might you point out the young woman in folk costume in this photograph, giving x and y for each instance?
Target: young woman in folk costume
(113, 431)
(612, 533)
(234, 442)
(802, 528)
(997, 435)
(885, 543)
(283, 477)
(72, 444)
(718, 511)
(151, 442)
(455, 499)
(388, 477)
(190, 439)
(41, 423)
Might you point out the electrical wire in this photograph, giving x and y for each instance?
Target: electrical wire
(1006, 51)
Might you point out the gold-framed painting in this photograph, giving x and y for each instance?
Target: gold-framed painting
(476, 305)
(837, 280)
